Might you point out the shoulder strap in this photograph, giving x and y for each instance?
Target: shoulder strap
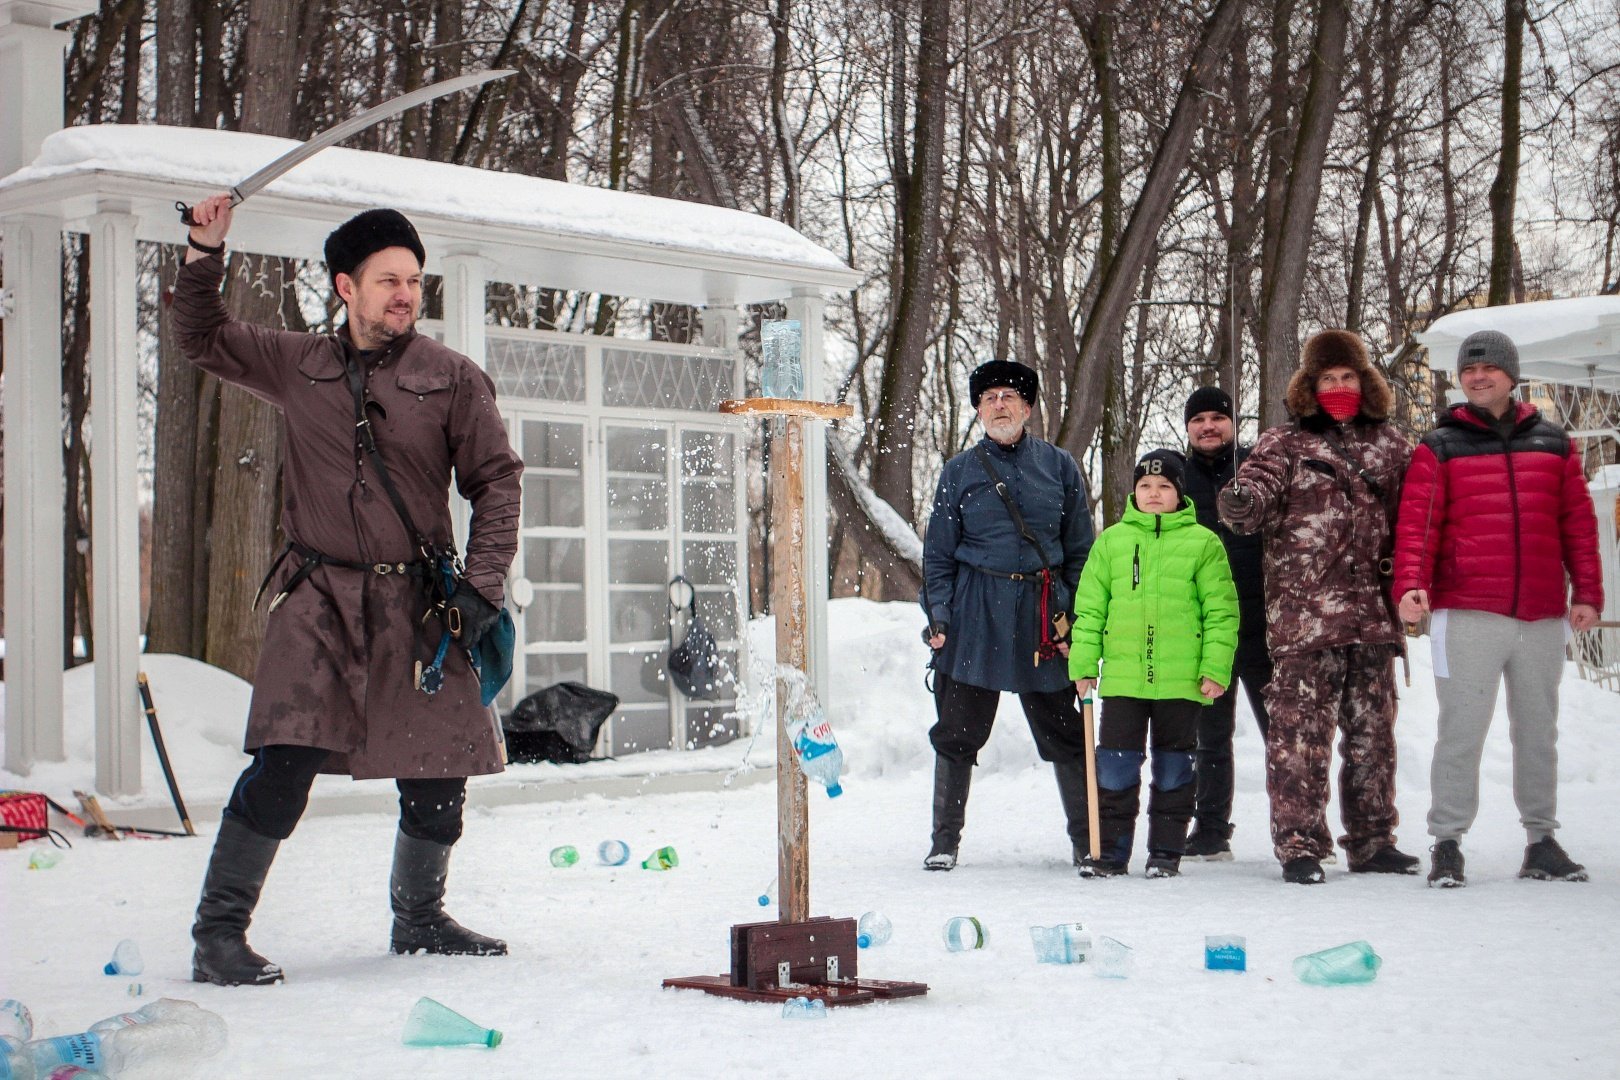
(1012, 507)
(1332, 439)
(366, 440)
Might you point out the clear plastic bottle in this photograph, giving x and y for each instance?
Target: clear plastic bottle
(783, 373)
(126, 960)
(167, 1037)
(814, 745)
(767, 895)
(15, 1063)
(873, 928)
(16, 1022)
(613, 852)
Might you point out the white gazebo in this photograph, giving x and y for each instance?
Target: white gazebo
(1571, 346)
(631, 474)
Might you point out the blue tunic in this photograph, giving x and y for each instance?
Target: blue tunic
(993, 622)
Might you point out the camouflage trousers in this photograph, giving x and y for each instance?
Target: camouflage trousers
(1353, 689)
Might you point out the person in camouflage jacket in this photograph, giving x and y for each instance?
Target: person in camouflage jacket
(1322, 490)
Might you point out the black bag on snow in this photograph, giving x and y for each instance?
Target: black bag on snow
(558, 723)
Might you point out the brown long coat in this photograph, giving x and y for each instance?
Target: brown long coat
(338, 664)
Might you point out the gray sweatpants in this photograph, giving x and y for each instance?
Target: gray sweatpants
(1473, 652)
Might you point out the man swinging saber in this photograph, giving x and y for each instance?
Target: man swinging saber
(352, 126)
(367, 518)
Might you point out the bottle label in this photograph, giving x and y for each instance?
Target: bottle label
(83, 1049)
(810, 749)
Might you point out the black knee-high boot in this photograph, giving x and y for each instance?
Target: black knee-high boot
(1071, 782)
(951, 782)
(416, 889)
(236, 873)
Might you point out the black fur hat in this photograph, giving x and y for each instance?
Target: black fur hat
(1019, 377)
(367, 233)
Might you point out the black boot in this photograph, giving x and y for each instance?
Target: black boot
(951, 782)
(1071, 782)
(231, 888)
(417, 891)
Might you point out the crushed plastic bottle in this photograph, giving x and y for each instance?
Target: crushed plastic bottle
(1225, 952)
(16, 1022)
(814, 747)
(44, 859)
(664, 858)
(1342, 965)
(873, 928)
(566, 855)
(433, 1024)
(613, 852)
(126, 960)
(964, 933)
(804, 1008)
(166, 1038)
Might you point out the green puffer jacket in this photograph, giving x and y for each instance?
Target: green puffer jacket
(1157, 605)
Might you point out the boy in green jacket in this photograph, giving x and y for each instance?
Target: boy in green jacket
(1156, 605)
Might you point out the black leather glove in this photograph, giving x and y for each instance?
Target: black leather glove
(470, 616)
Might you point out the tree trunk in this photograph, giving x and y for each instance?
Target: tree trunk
(246, 501)
(1285, 288)
(905, 362)
(1505, 188)
(787, 154)
(1123, 274)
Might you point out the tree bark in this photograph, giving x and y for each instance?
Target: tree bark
(1285, 288)
(905, 362)
(1505, 188)
(1123, 274)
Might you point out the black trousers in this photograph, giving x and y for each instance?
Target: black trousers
(966, 713)
(272, 792)
(1215, 727)
(1122, 741)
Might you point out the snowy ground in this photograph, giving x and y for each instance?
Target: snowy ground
(1505, 978)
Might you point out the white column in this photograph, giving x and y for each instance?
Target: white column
(809, 307)
(722, 323)
(115, 503)
(464, 284)
(31, 77)
(35, 490)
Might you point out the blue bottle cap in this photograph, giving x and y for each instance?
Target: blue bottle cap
(834, 790)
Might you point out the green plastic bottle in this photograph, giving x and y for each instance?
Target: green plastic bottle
(1341, 965)
(432, 1024)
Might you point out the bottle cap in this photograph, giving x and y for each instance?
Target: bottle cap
(834, 790)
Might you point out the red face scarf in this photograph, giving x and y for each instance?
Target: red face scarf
(1339, 404)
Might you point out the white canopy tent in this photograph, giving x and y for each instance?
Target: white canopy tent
(119, 185)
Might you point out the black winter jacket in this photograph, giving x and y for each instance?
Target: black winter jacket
(1203, 479)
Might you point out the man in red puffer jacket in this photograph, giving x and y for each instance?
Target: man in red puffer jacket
(1494, 512)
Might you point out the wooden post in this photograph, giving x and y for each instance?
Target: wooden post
(788, 605)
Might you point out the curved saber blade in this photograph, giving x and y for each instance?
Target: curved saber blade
(351, 126)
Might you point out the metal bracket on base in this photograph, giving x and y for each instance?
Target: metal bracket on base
(774, 961)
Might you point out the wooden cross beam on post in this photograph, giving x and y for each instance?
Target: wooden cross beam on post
(798, 955)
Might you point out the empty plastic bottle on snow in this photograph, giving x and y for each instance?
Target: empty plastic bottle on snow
(873, 928)
(168, 1036)
(814, 746)
(126, 960)
(433, 1024)
(16, 1022)
(767, 895)
(15, 1064)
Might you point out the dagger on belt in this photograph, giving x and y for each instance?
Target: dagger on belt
(355, 124)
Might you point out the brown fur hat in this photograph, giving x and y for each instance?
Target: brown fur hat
(1331, 349)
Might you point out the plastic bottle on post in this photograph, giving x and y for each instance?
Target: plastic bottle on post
(782, 375)
(814, 746)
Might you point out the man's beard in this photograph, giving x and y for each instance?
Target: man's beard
(380, 332)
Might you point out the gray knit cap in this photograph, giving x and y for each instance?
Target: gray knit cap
(1489, 347)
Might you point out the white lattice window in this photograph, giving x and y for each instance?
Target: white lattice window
(528, 368)
(645, 379)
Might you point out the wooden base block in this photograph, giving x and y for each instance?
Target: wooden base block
(775, 961)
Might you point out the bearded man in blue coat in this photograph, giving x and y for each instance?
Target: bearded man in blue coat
(1009, 534)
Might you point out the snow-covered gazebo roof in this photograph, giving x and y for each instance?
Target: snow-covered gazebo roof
(1574, 342)
(533, 231)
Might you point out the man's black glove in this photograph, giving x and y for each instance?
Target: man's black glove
(470, 616)
(1235, 501)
